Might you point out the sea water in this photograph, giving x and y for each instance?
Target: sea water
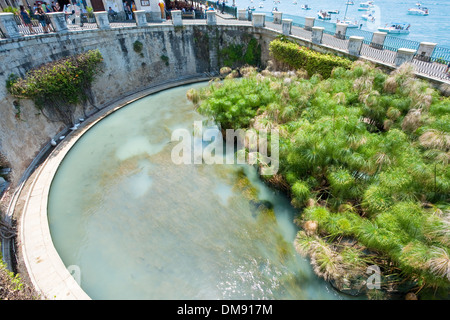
(432, 28)
(138, 226)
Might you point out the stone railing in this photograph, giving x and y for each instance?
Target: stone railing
(375, 48)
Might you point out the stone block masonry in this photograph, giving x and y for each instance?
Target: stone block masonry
(168, 53)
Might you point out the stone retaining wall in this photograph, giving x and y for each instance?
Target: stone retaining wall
(169, 53)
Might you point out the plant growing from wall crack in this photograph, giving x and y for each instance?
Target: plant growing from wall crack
(137, 47)
(165, 59)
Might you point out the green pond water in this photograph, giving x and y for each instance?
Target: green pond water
(138, 226)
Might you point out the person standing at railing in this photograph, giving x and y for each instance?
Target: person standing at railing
(26, 19)
(44, 7)
(42, 18)
(223, 6)
(55, 7)
(162, 7)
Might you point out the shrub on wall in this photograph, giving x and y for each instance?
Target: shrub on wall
(299, 57)
(58, 86)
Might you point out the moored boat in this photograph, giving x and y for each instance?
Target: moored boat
(305, 7)
(323, 15)
(420, 11)
(350, 23)
(367, 4)
(395, 28)
(368, 16)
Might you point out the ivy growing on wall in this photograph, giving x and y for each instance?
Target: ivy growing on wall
(57, 87)
(236, 55)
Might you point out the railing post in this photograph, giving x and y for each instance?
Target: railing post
(277, 17)
(242, 14)
(258, 20)
(403, 55)
(377, 41)
(425, 51)
(341, 30)
(317, 34)
(355, 45)
(177, 20)
(211, 19)
(309, 23)
(286, 26)
(59, 22)
(141, 19)
(8, 25)
(101, 18)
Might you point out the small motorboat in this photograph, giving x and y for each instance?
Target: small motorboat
(420, 11)
(349, 22)
(333, 11)
(367, 4)
(368, 16)
(274, 9)
(323, 15)
(305, 7)
(396, 28)
(350, 3)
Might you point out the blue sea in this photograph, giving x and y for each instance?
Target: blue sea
(432, 28)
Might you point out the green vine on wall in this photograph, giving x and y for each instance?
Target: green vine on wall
(237, 54)
(57, 87)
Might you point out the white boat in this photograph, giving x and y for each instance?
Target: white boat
(367, 4)
(396, 28)
(261, 6)
(350, 3)
(350, 23)
(418, 11)
(368, 16)
(333, 11)
(305, 7)
(323, 15)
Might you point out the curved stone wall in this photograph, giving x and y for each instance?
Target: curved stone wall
(169, 53)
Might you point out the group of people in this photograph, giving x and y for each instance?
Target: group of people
(38, 11)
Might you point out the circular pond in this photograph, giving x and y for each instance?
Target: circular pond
(137, 226)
